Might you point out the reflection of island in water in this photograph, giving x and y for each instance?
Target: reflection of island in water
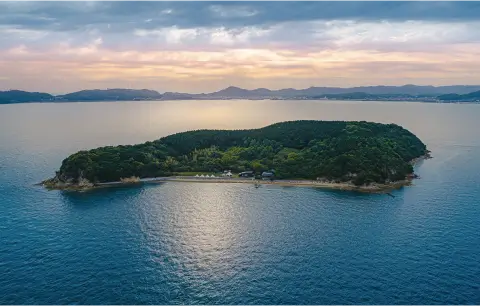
(336, 154)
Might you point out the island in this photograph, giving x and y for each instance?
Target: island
(360, 155)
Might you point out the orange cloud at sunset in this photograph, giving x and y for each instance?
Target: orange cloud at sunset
(153, 53)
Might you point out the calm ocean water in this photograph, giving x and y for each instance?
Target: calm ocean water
(181, 243)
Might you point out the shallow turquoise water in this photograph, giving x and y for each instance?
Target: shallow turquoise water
(231, 243)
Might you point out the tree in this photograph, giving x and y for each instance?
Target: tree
(361, 152)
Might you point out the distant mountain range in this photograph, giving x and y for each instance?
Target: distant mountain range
(412, 90)
(409, 92)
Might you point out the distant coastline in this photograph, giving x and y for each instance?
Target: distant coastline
(407, 93)
(252, 99)
(373, 188)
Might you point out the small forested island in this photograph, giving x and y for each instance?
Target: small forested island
(356, 154)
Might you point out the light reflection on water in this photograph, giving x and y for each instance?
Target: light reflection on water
(213, 243)
(74, 124)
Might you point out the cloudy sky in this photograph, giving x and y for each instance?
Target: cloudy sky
(205, 46)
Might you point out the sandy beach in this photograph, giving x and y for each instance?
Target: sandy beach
(372, 188)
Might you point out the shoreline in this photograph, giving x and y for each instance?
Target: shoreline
(346, 186)
(238, 99)
(372, 188)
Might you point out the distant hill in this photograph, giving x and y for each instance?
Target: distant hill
(233, 91)
(361, 95)
(379, 97)
(18, 96)
(409, 92)
(111, 95)
(176, 96)
(413, 90)
(470, 97)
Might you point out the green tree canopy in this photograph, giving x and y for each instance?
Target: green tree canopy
(361, 152)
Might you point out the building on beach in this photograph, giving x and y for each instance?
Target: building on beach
(268, 175)
(247, 174)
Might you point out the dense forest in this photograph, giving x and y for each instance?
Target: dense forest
(360, 152)
(18, 96)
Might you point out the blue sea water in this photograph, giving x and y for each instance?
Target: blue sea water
(181, 243)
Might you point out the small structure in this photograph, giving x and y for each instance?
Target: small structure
(196, 175)
(246, 174)
(202, 175)
(268, 175)
(227, 173)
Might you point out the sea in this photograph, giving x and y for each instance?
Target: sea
(212, 243)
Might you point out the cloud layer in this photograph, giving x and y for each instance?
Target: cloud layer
(202, 46)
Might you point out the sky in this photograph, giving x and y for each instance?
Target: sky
(196, 47)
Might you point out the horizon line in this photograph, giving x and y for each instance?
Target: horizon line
(233, 86)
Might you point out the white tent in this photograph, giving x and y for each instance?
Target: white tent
(196, 175)
(202, 175)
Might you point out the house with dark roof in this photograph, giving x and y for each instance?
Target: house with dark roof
(247, 174)
(268, 175)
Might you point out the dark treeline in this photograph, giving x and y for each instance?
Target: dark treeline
(367, 96)
(473, 97)
(18, 96)
(361, 152)
(111, 95)
(408, 92)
